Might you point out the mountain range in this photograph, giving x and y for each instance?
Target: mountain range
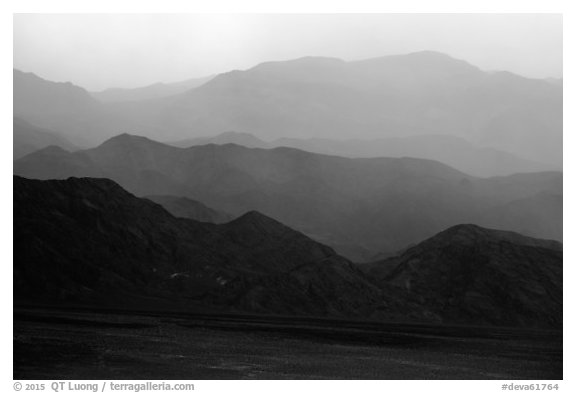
(359, 206)
(413, 188)
(89, 242)
(454, 151)
(424, 93)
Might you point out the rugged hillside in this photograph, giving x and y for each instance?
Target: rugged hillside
(88, 240)
(188, 208)
(469, 274)
(359, 206)
(28, 138)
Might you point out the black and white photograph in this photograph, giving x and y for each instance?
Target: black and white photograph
(287, 196)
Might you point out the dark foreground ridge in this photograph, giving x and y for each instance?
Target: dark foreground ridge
(89, 242)
(470, 274)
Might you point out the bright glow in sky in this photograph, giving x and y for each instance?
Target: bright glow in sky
(97, 51)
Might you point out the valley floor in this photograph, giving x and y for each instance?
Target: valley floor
(84, 344)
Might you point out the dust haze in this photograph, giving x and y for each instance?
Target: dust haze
(104, 51)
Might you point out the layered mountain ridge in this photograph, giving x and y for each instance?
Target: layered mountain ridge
(453, 151)
(416, 94)
(359, 206)
(88, 241)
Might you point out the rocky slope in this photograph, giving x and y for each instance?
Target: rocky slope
(473, 275)
(89, 241)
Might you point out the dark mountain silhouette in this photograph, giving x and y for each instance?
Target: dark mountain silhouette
(188, 208)
(378, 204)
(416, 94)
(470, 274)
(87, 240)
(29, 138)
(157, 90)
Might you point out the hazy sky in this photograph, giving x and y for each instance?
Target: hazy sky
(98, 51)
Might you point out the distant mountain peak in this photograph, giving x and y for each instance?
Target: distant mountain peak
(17, 72)
(467, 228)
(125, 138)
(235, 133)
(255, 217)
(242, 138)
(31, 76)
(324, 60)
(425, 60)
(471, 274)
(229, 137)
(439, 57)
(52, 150)
(256, 222)
(430, 54)
(304, 61)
